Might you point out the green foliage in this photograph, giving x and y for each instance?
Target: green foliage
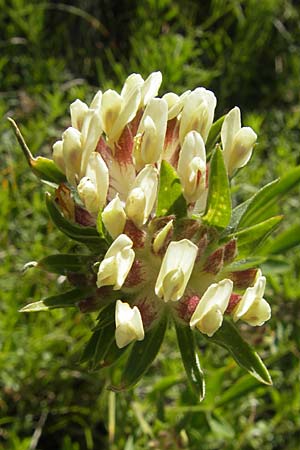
(170, 197)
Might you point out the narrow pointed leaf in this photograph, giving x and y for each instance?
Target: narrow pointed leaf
(98, 346)
(142, 355)
(214, 135)
(65, 263)
(43, 168)
(261, 203)
(284, 241)
(228, 337)
(170, 197)
(190, 359)
(218, 210)
(113, 354)
(86, 235)
(250, 238)
(66, 300)
(106, 316)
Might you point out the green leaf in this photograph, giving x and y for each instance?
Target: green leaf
(261, 203)
(190, 359)
(214, 134)
(98, 346)
(113, 354)
(106, 316)
(284, 241)
(218, 210)
(228, 337)
(249, 238)
(43, 168)
(86, 235)
(66, 300)
(244, 264)
(142, 355)
(65, 263)
(170, 197)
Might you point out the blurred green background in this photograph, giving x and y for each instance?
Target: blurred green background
(248, 53)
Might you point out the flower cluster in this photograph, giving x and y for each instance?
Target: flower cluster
(112, 156)
(143, 184)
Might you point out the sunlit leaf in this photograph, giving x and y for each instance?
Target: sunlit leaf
(259, 208)
(228, 337)
(190, 359)
(64, 300)
(170, 197)
(218, 210)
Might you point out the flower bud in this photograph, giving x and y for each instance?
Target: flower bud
(58, 156)
(117, 263)
(175, 103)
(253, 308)
(72, 153)
(114, 217)
(192, 166)
(150, 88)
(90, 135)
(152, 129)
(78, 110)
(197, 113)
(161, 237)
(142, 196)
(129, 324)
(93, 188)
(176, 269)
(208, 315)
(237, 141)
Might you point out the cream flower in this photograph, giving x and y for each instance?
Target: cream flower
(161, 237)
(129, 324)
(175, 103)
(192, 166)
(114, 217)
(93, 188)
(237, 141)
(208, 316)
(253, 308)
(152, 130)
(198, 113)
(175, 270)
(141, 198)
(117, 263)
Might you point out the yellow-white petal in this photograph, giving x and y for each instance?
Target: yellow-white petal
(72, 152)
(93, 188)
(114, 217)
(208, 316)
(110, 109)
(117, 263)
(150, 87)
(192, 166)
(58, 156)
(197, 113)
(253, 308)
(90, 135)
(141, 198)
(175, 103)
(78, 110)
(152, 128)
(132, 83)
(96, 102)
(129, 324)
(176, 269)
(161, 236)
(237, 142)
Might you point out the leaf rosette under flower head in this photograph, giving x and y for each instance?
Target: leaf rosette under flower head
(143, 184)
